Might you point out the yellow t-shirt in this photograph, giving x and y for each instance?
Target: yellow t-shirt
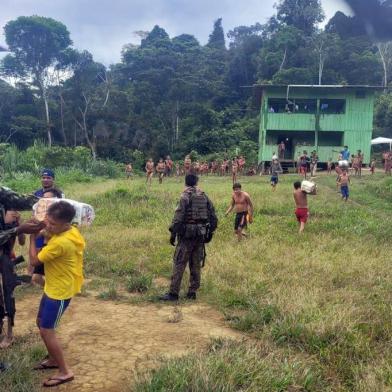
(63, 260)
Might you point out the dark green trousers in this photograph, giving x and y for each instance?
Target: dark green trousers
(187, 252)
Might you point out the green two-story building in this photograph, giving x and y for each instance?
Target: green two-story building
(321, 118)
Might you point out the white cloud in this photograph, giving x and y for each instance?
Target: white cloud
(104, 26)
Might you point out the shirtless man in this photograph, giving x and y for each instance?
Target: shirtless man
(388, 162)
(241, 164)
(178, 171)
(149, 171)
(313, 164)
(128, 170)
(197, 167)
(356, 165)
(243, 206)
(301, 206)
(187, 164)
(234, 170)
(303, 167)
(223, 168)
(168, 166)
(275, 169)
(161, 170)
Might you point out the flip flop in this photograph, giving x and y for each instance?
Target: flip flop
(43, 366)
(59, 381)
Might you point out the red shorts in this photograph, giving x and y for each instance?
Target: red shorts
(302, 169)
(302, 214)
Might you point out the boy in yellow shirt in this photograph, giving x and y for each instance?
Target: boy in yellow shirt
(63, 260)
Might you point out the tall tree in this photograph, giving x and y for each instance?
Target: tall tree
(36, 44)
(302, 14)
(88, 93)
(245, 44)
(385, 52)
(345, 26)
(324, 45)
(216, 39)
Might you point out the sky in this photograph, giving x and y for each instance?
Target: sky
(103, 27)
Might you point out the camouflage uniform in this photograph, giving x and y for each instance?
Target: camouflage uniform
(9, 200)
(188, 250)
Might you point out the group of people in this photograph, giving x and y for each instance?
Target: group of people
(56, 246)
(167, 168)
(55, 262)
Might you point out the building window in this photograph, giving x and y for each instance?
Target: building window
(282, 105)
(334, 139)
(332, 106)
(305, 138)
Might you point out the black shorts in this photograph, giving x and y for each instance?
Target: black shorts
(240, 220)
(39, 269)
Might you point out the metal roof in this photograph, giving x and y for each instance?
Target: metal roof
(317, 86)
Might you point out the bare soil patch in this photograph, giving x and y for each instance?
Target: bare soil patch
(107, 342)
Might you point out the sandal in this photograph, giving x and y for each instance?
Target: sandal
(58, 380)
(44, 366)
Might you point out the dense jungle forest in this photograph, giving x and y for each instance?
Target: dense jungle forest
(172, 95)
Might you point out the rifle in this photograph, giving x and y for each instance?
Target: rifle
(9, 280)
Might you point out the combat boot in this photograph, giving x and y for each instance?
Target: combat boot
(168, 297)
(191, 295)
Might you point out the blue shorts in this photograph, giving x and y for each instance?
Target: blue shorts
(274, 180)
(344, 191)
(50, 311)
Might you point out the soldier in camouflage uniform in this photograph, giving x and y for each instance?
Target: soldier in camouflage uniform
(193, 225)
(10, 200)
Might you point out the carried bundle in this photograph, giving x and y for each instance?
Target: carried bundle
(308, 187)
(343, 164)
(84, 212)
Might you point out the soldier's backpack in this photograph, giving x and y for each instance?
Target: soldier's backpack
(197, 210)
(201, 222)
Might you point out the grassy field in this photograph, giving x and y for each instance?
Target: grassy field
(316, 308)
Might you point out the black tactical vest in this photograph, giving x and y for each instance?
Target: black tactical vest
(197, 210)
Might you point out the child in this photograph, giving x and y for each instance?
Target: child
(372, 166)
(276, 169)
(63, 260)
(329, 166)
(344, 180)
(243, 206)
(301, 204)
(338, 171)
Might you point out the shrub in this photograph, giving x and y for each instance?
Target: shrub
(139, 283)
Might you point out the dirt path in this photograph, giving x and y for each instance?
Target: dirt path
(105, 343)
